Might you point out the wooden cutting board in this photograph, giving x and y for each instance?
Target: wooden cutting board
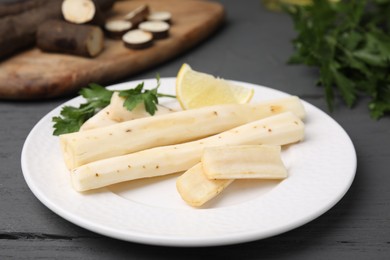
(34, 74)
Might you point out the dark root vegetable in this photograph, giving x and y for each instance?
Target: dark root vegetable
(18, 28)
(12, 8)
(17, 34)
(138, 15)
(62, 37)
(104, 5)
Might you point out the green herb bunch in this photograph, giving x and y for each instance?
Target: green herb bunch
(349, 42)
(98, 97)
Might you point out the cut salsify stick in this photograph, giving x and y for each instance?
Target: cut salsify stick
(196, 189)
(221, 165)
(279, 129)
(243, 162)
(123, 138)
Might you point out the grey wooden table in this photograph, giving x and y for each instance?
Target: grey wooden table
(253, 46)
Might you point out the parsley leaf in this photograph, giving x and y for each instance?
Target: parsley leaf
(133, 97)
(98, 97)
(71, 118)
(348, 41)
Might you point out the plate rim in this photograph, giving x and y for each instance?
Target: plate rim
(163, 240)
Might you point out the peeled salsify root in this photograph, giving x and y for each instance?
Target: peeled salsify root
(221, 165)
(100, 119)
(131, 136)
(116, 113)
(244, 162)
(119, 113)
(286, 128)
(196, 189)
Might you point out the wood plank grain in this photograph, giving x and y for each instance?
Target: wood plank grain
(34, 74)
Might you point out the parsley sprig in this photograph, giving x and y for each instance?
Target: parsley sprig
(98, 97)
(349, 42)
(133, 97)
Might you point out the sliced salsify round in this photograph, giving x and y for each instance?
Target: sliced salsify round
(137, 39)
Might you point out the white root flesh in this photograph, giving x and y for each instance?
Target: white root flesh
(137, 39)
(131, 136)
(101, 119)
(279, 129)
(160, 16)
(196, 189)
(95, 45)
(119, 113)
(159, 29)
(244, 162)
(115, 113)
(117, 28)
(78, 11)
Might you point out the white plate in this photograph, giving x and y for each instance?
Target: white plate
(321, 170)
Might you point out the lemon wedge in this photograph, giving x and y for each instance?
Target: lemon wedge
(196, 89)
